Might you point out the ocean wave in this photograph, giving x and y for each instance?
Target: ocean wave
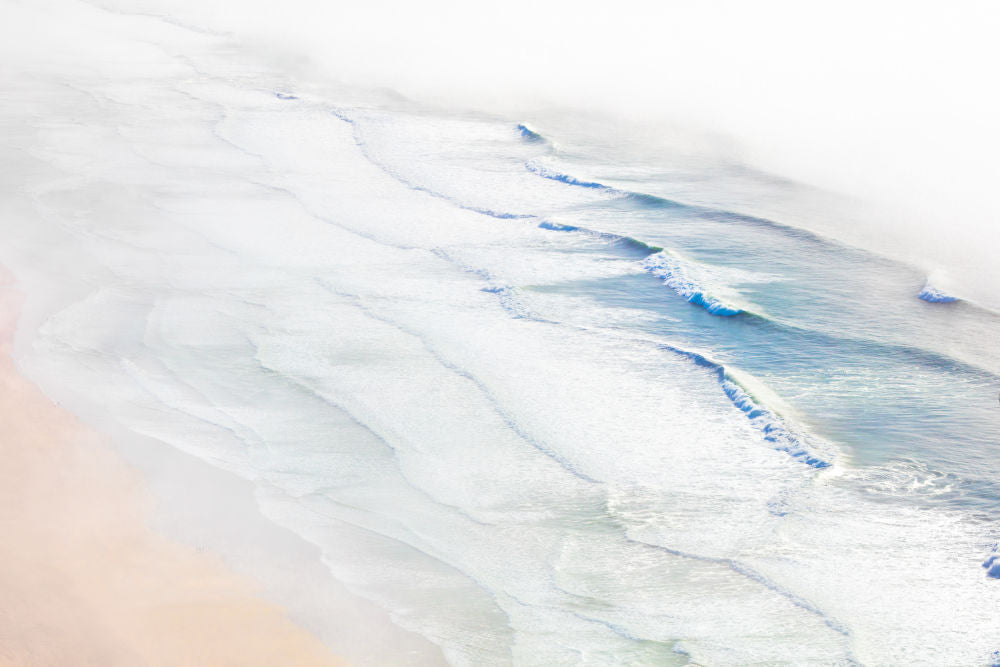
(932, 291)
(530, 135)
(645, 200)
(544, 171)
(772, 426)
(992, 563)
(626, 242)
(638, 198)
(687, 280)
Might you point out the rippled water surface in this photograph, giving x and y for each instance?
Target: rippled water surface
(545, 404)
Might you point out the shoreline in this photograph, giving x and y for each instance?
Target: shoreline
(135, 553)
(100, 491)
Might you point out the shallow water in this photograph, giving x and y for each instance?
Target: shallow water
(541, 415)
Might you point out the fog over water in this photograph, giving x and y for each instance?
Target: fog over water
(888, 102)
(563, 334)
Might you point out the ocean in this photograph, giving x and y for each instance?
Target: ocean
(545, 400)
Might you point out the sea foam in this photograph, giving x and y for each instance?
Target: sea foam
(689, 280)
(934, 291)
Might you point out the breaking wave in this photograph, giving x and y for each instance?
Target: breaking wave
(687, 279)
(530, 135)
(774, 429)
(544, 171)
(932, 292)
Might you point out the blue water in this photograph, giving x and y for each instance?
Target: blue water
(865, 351)
(545, 398)
(833, 343)
(842, 359)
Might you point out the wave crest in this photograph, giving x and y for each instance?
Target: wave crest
(992, 563)
(933, 292)
(687, 280)
(773, 427)
(544, 171)
(530, 135)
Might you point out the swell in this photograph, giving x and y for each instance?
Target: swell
(668, 267)
(930, 293)
(626, 242)
(877, 349)
(644, 200)
(772, 427)
(507, 294)
(674, 276)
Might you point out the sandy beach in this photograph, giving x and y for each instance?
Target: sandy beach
(395, 334)
(119, 547)
(84, 580)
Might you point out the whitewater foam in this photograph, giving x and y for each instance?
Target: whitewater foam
(543, 170)
(689, 281)
(364, 363)
(933, 290)
(529, 134)
(992, 563)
